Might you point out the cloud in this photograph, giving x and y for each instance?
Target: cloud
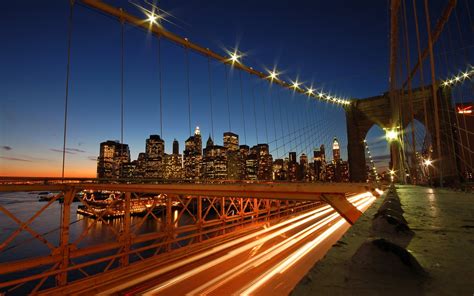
(8, 148)
(75, 150)
(15, 159)
(93, 158)
(68, 150)
(61, 151)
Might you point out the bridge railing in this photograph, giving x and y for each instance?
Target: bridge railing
(92, 234)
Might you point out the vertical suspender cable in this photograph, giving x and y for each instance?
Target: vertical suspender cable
(122, 27)
(434, 91)
(281, 124)
(255, 112)
(227, 94)
(66, 97)
(161, 86)
(186, 52)
(265, 117)
(210, 95)
(273, 114)
(242, 103)
(466, 59)
(422, 79)
(410, 94)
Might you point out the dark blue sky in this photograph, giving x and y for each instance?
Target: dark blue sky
(339, 46)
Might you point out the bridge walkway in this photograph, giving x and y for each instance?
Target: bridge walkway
(441, 239)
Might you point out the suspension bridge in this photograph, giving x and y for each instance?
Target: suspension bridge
(232, 218)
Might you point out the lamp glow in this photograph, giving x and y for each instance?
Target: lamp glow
(391, 135)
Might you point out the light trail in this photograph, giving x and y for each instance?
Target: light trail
(210, 252)
(261, 258)
(265, 256)
(299, 254)
(231, 254)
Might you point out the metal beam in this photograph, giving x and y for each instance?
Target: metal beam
(292, 191)
(343, 207)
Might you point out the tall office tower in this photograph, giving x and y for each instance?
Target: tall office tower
(264, 161)
(336, 151)
(175, 147)
(303, 172)
(112, 156)
(214, 163)
(192, 156)
(198, 140)
(155, 151)
(231, 141)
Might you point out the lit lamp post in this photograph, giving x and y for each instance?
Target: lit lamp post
(392, 175)
(427, 163)
(392, 137)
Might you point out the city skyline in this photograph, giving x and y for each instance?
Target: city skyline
(32, 117)
(229, 161)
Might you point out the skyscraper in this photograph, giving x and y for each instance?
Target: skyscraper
(193, 155)
(112, 156)
(175, 147)
(336, 151)
(231, 141)
(154, 151)
(292, 167)
(214, 162)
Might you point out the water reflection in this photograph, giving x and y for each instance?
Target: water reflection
(87, 231)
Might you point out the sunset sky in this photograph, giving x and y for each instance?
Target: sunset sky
(340, 47)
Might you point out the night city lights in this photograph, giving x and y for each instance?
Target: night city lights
(236, 148)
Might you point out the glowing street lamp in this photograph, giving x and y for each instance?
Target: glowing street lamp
(427, 162)
(234, 57)
(391, 135)
(310, 91)
(152, 18)
(296, 84)
(273, 75)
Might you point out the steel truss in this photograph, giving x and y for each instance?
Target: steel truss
(188, 216)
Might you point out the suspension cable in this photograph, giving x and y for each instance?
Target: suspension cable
(273, 112)
(161, 86)
(210, 95)
(410, 92)
(265, 117)
(254, 111)
(66, 97)
(242, 105)
(227, 93)
(422, 80)
(186, 51)
(122, 68)
(434, 92)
